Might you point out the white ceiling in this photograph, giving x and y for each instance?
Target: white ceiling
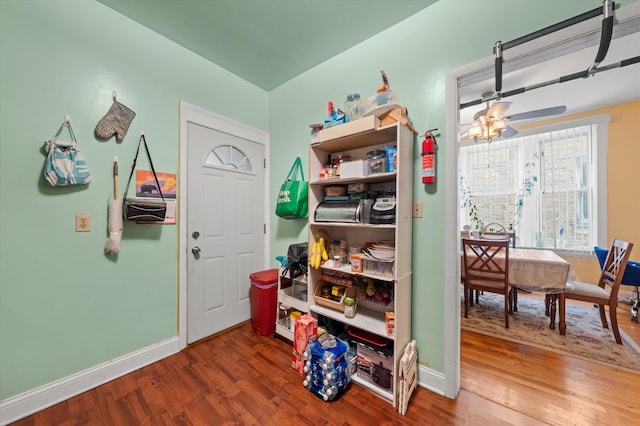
(268, 42)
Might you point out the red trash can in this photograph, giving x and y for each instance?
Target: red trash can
(264, 301)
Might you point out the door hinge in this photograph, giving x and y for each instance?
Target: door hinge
(265, 163)
(265, 229)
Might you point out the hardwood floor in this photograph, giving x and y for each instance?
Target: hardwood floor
(237, 377)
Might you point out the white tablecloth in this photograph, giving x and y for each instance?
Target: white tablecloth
(536, 270)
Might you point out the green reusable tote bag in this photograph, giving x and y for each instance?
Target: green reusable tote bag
(292, 198)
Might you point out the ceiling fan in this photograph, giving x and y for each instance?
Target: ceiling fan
(491, 122)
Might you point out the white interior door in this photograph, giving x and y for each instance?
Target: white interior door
(225, 227)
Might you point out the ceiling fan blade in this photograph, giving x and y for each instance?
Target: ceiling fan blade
(508, 132)
(544, 112)
(464, 136)
(480, 113)
(498, 109)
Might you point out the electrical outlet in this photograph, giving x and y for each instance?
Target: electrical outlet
(83, 222)
(417, 209)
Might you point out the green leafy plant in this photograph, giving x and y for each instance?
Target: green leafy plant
(474, 215)
(478, 224)
(476, 220)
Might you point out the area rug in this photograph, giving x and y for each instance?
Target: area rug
(585, 339)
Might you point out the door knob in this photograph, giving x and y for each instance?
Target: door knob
(195, 250)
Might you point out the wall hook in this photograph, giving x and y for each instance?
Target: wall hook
(114, 94)
(67, 119)
(141, 133)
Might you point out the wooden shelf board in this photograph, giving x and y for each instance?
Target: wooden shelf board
(365, 319)
(359, 140)
(373, 178)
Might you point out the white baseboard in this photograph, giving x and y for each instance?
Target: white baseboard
(22, 405)
(431, 379)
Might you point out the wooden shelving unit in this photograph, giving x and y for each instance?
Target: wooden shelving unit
(356, 234)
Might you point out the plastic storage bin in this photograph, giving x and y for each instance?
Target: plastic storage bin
(264, 301)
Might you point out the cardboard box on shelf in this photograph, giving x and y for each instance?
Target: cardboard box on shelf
(396, 116)
(362, 125)
(306, 328)
(390, 321)
(356, 262)
(351, 169)
(337, 305)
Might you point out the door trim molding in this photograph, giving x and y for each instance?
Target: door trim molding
(194, 114)
(453, 78)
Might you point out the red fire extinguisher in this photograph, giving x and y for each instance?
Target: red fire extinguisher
(429, 157)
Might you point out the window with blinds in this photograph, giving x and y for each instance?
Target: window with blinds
(543, 185)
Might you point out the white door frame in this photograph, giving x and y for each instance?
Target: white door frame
(195, 114)
(523, 56)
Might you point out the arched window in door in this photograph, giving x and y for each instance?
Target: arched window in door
(229, 157)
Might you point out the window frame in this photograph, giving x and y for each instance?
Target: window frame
(228, 164)
(598, 170)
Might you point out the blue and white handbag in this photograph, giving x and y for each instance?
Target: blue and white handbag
(65, 164)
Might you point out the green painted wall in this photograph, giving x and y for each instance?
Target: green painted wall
(415, 55)
(64, 305)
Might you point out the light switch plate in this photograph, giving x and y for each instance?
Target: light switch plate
(83, 222)
(417, 209)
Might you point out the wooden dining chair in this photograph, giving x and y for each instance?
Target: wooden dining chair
(630, 278)
(500, 234)
(605, 293)
(486, 268)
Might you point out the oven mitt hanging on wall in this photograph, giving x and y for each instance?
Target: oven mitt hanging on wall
(115, 122)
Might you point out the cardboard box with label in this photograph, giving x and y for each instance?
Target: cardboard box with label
(305, 329)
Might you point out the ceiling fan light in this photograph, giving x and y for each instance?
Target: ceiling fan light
(499, 125)
(475, 131)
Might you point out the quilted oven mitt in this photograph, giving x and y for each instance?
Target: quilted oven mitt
(115, 122)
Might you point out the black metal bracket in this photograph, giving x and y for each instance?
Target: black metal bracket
(605, 40)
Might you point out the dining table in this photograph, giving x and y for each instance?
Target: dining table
(540, 271)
